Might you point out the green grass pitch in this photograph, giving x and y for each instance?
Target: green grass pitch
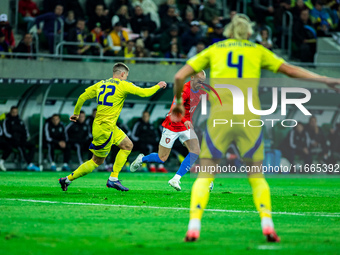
(92, 219)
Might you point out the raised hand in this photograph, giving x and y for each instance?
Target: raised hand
(162, 84)
(74, 118)
(188, 125)
(177, 113)
(332, 83)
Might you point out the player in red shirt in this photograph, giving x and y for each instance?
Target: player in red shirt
(183, 130)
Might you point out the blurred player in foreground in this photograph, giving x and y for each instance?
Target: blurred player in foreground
(183, 130)
(235, 58)
(110, 95)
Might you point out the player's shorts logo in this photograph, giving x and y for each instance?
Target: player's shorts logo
(167, 140)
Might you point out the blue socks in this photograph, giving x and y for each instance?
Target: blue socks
(152, 158)
(187, 163)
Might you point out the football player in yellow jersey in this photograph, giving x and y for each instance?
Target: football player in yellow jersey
(110, 95)
(229, 61)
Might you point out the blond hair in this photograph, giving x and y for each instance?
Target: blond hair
(239, 28)
(120, 67)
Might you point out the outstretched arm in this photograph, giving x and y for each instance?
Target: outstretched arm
(298, 72)
(81, 100)
(178, 110)
(149, 91)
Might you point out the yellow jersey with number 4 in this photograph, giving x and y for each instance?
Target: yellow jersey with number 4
(233, 58)
(110, 95)
(239, 63)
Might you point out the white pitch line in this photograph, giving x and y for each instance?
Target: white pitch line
(317, 214)
(268, 247)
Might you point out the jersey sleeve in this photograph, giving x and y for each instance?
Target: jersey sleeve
(130, 88)
(89, 93)
(201, 60)
(270, 61)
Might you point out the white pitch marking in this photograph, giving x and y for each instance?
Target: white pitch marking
(268, 247)
(317, 214)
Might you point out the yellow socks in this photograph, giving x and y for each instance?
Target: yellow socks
(199, 197)
(83, 169)
(121, 158)
(261, 195)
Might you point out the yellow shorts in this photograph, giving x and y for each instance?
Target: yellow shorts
(104, 138)
(216, 140)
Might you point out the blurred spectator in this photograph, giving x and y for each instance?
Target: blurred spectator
(90, 7)
(304, 36)
(70, 22)
(98, 17)
(334, 138)
(144, 135)
(297, 142)
(68, 5)
(78, 35)
(17, 135)
(335, 15)
(185, 25)
(3, 45)
(3, 146)
(191, 37)
(76, 7)
(298, 8)
(7, 30)
(149, 7)
(321, 19)
(117, 38)
(263, 9)
(28, 11)
(89, 120)
(54, 138)
(78, 136)
(141, 20)
(147, 39)
(210, 10)
(171, 18)
(128, 52)
(264, 39)
(280, 7)
(145, 138)
(49, 20)
(232, 13)
(26, 46)
(117, 4)
(170, 37)
(140, 51)
(194, 6)
(163, 8)
(173, 53)
(122, 16)
(318, 144)
(196, 49)
(217, 35)
(101, 37)
(206, 31)
(49, 5)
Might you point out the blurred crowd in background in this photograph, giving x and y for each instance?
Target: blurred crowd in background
(172, 30)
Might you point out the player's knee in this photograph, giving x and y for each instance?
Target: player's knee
(97, 160)
(196, 151)
(128, 146)
(163, 157)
